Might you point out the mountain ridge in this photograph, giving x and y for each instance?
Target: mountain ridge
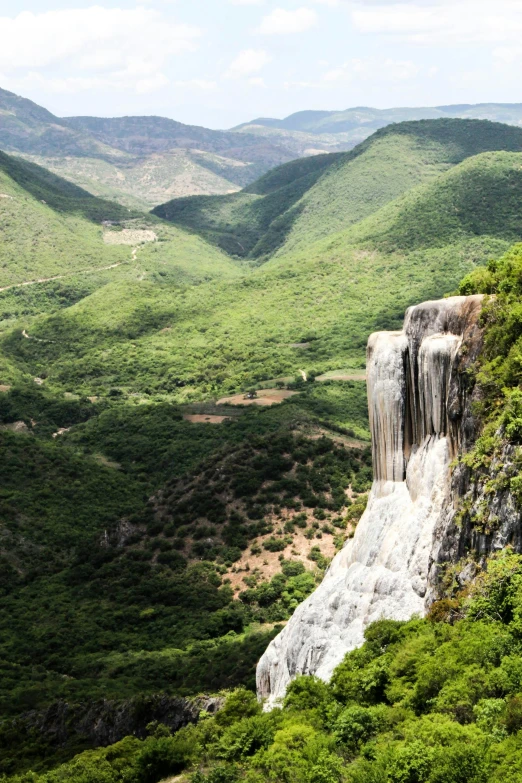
(343, 189)
(121, 158)
(315, 121)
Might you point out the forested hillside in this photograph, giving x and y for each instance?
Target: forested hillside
(433, 701)
(184, 440)
(238, 332)
(304, 204)
(436, 700)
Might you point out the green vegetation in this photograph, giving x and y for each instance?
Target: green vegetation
(122, 534)
(143, 182)
(220, 337)
(143, 161)
(250, 223)
(43, 218)
(299, 204)
(57, 193)
(495, 461)
(144, 553)
(52, 228)
(427, 701)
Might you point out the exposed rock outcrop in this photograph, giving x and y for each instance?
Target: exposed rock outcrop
(419, 417)
(103, 723)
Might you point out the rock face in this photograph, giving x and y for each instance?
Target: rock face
(80, 726)
(417, 401)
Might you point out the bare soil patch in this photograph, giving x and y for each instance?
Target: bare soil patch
(108, 463)
(269, 563)
(129, 236)
(351, 443)
(4, 387)
(264, 397)
(201, 418)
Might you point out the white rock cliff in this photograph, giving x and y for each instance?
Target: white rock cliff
(415, 399)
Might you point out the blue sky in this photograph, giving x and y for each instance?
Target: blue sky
(221, 62)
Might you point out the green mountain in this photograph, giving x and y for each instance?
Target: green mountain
(52, 228)
(352, 126)
(301, 202)
(295, 311)
(26, 127)
(153, 539)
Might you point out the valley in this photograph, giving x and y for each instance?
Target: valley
(186, 447)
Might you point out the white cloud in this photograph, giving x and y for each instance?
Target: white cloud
(370, 69)
(440, 22)
(153, 84)
(281, 21)
(97, 47)
(198, 84)
(248, 61)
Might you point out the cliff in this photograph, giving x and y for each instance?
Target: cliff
(64, 729)
(419, 405)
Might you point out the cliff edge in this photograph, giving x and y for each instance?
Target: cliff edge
(419, 416)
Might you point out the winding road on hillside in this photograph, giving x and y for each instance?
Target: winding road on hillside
(88, 271)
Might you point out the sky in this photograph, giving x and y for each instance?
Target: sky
(218, 63)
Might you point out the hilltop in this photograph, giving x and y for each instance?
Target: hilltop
(304, 201)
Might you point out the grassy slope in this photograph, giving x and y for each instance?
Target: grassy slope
(396, 159)
(353, 185)
(225, 335)
(237, 222)
(51, 227)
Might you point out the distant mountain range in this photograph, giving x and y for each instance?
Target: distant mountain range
(144, 161)
(365, 120)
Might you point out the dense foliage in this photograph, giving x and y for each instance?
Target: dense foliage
(144, 553)
(107, 594)
(495, 462)
(304, 201)
(221, 336)
(421, 702)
